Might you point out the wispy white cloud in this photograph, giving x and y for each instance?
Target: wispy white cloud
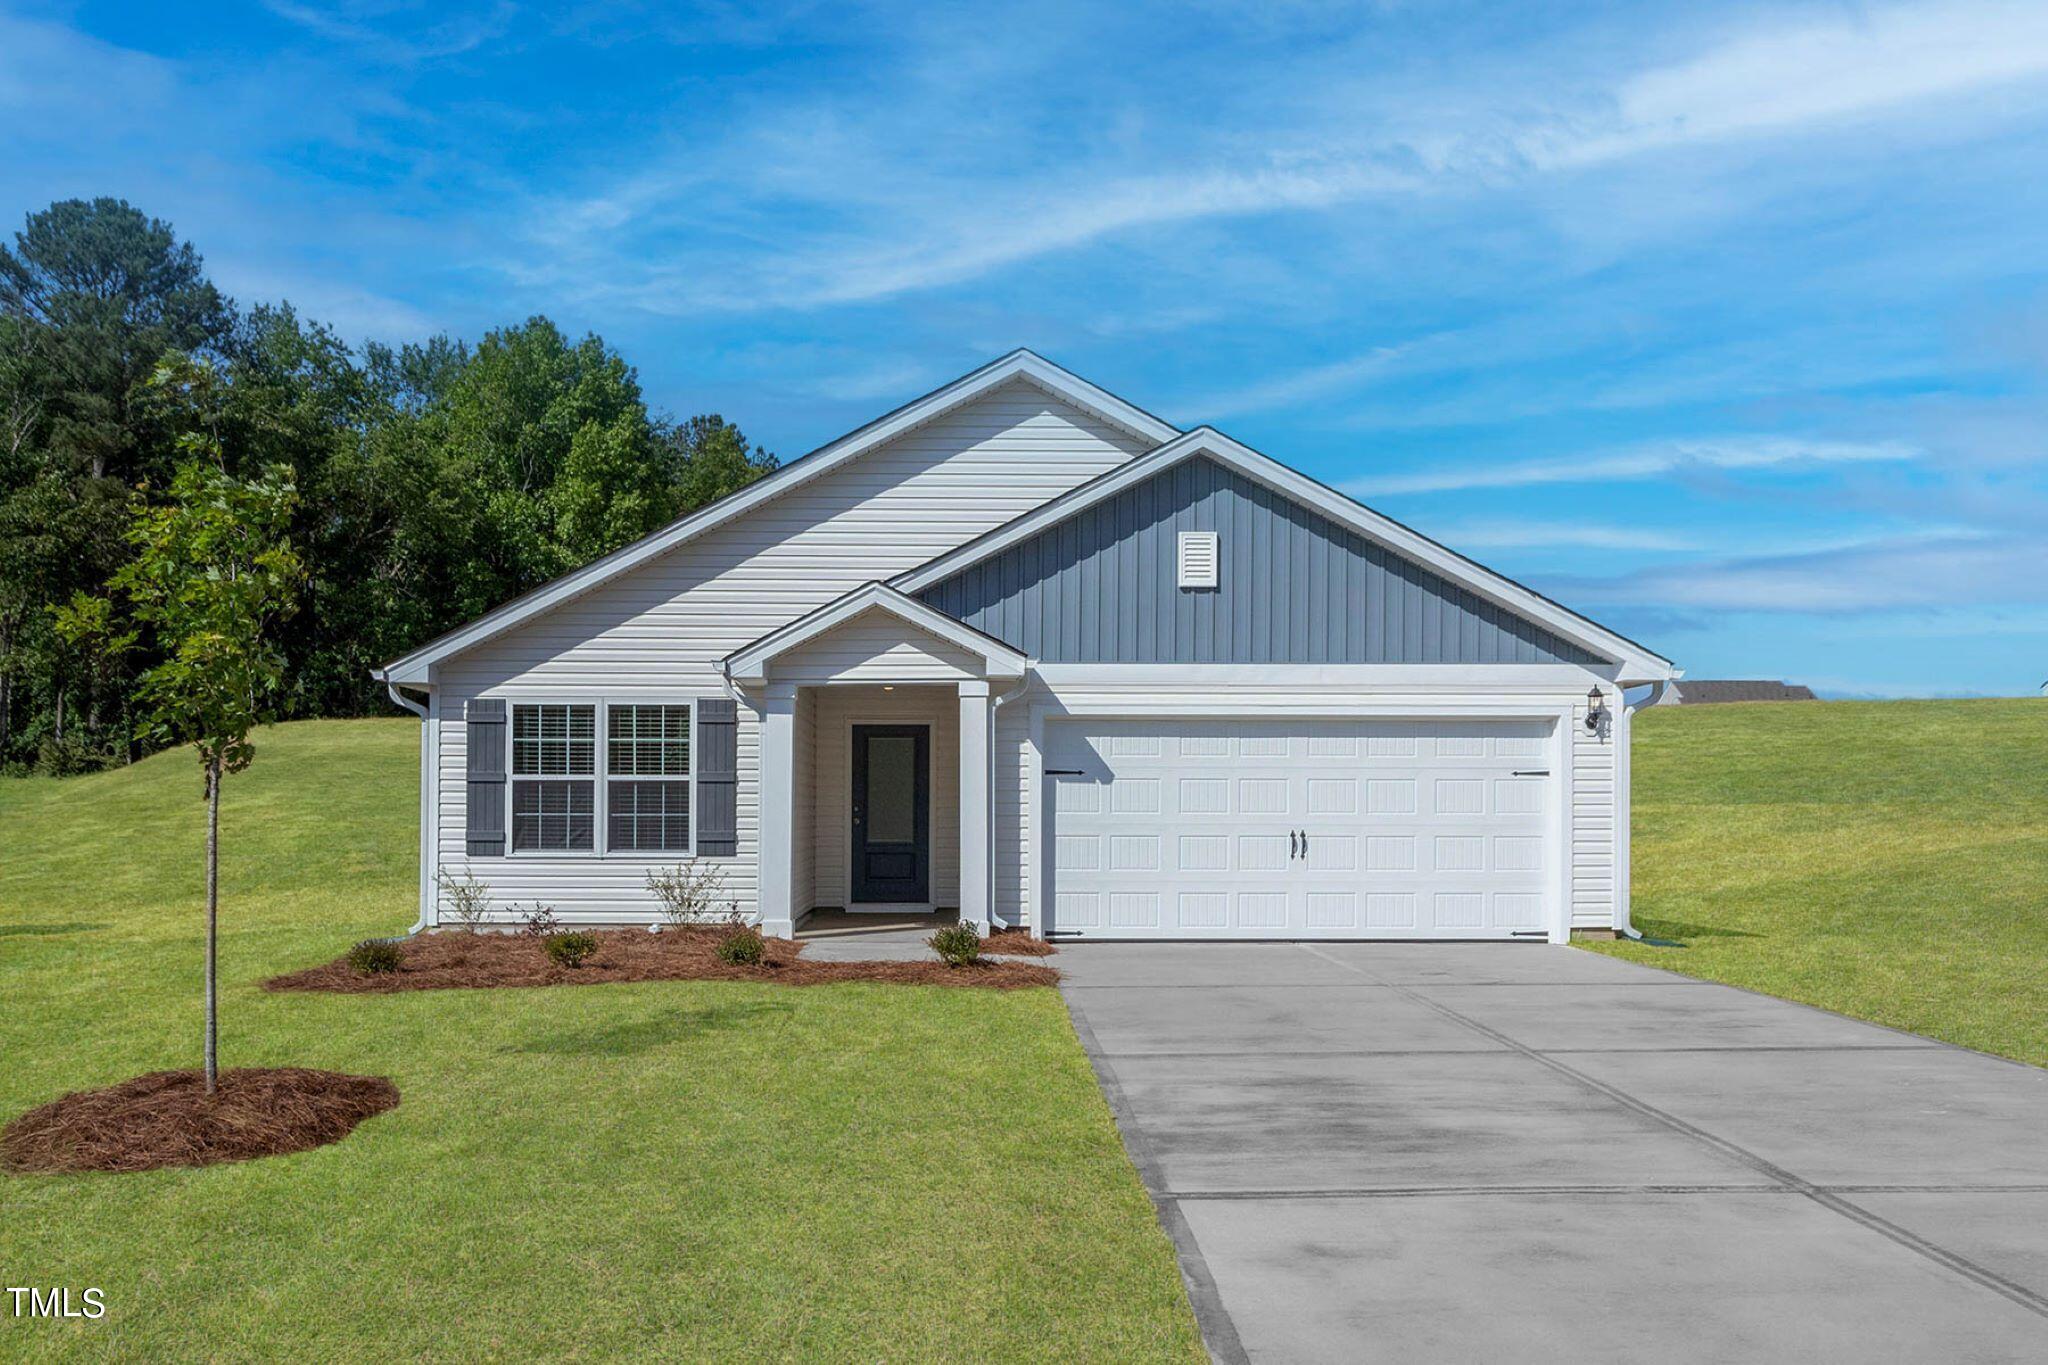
(1509, 534)
(1922, 572)
(447, 37)
(900, 222)
(1817, 70)
(1650, 461)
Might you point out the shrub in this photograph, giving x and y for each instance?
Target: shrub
(70, 756)
(742, 946)
(686, 891)
(541, 921)
(465, 898)
(375, 956)
(957, 944)
(570, 950)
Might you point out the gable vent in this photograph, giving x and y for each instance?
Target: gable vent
(1198, 559)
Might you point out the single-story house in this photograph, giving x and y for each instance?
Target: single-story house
(1023, 649)
(1705, 691)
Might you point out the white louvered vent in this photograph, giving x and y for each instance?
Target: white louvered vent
(1198, 559)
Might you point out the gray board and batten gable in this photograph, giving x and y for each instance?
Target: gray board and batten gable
(1100, 586)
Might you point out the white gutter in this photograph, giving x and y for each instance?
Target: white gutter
(1623, 924)
(426, 792)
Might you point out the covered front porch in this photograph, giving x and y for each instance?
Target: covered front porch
(876, 714)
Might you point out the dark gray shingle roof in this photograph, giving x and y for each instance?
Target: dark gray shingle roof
(1754, 689)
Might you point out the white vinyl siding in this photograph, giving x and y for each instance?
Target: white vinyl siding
(660, 632)
(875, 646)
(1592, 820)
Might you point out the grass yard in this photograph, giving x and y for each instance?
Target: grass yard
(1884, 859)
(682, 1169)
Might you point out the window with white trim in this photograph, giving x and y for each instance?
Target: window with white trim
(647, 777)
(554, 778)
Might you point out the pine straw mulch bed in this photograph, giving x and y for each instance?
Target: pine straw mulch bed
(1016, 943)
(166, 1119)
(447, 961)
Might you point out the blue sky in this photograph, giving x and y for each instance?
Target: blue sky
(1725, 324)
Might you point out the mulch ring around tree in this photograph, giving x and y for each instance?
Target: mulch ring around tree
(455, 960)
(167, 1119)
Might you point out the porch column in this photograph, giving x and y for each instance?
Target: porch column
(974, 805)
(778, 808)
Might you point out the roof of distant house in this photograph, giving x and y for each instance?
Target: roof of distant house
(1694, 692)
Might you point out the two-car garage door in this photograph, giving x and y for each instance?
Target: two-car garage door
(1218, 828)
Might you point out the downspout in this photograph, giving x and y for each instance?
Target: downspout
(1623, 889)
(426, 776)
(996, 705)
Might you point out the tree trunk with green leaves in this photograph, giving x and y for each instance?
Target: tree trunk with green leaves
(214, 572)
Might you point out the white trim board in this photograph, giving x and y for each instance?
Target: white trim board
(1631, 661)
(1019, 364)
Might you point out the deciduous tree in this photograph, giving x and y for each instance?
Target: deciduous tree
(214, 571)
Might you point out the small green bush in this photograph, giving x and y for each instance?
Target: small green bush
(741, 946)
(957, 944)
(570, 950)
(375, 956)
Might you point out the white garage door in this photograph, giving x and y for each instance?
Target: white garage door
(1301, 829)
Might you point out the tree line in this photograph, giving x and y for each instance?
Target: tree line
(433, 480)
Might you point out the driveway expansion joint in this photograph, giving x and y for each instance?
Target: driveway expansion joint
(1819, 1194)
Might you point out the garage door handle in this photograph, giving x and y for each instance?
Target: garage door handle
(1293, 844)
(1530, 772)
(1304, 843)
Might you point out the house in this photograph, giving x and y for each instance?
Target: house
(1022, 648)
(1699, 692)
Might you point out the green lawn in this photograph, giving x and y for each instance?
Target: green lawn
(1885, 859)
(682, 1169)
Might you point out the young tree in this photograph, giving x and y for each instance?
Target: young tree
(214, 571)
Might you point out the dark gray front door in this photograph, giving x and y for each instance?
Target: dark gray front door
(892, 802)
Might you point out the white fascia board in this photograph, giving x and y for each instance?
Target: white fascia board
(1634, 663)
(1445, 678)
(748, 665)
(1018, 364)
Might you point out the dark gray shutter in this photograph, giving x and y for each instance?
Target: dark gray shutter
(718, 777)
(486, 720)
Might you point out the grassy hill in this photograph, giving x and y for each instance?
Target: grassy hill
(702, 1169)
(677, 1169)
(1885, 859)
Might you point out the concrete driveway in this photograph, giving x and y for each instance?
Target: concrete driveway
(1524, 1152)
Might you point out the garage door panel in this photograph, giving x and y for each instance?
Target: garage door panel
(1277, 829)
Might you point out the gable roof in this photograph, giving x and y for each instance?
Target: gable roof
(1018, 364)
(1638, 663)
(749, 663)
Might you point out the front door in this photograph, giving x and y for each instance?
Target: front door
(891, 814)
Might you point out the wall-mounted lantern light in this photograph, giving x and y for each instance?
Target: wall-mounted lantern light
(1595, 711)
